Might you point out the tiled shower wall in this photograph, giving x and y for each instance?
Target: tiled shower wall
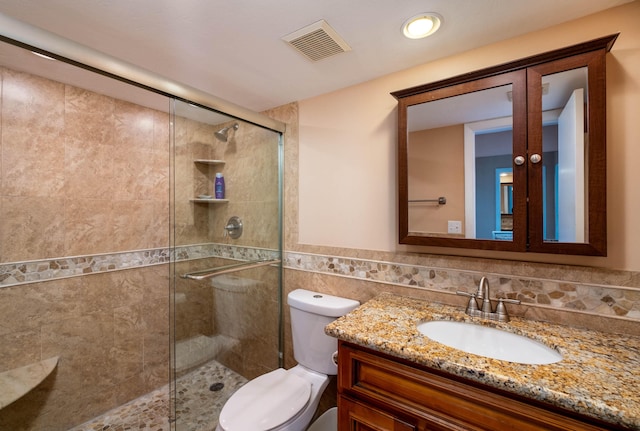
(237, 316)
(84, 246)
(110, 331)
(81, 174)
(250, 160)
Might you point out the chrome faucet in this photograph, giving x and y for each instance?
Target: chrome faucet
(486, 311)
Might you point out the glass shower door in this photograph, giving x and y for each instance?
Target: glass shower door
(226, 271)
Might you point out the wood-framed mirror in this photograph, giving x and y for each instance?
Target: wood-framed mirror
(511, 158)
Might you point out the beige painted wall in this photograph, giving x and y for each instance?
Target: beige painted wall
(436, 168)
(347, 150)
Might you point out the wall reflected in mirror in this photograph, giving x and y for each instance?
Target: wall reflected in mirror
(565, 157)
(442, 150)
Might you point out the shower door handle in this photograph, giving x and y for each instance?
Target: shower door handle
(226, 269)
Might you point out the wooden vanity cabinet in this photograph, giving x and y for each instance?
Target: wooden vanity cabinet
(377, 392)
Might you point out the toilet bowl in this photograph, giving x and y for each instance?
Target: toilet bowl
(286, 400)
(282, 400)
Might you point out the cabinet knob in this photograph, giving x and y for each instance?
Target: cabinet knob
(535, 158)
(519, 160)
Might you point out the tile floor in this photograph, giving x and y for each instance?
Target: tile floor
(197, 406)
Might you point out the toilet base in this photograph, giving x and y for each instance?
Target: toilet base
(327, 422)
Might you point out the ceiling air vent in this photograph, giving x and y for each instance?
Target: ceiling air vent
(317, 41)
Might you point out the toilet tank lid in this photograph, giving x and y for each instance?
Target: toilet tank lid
(321, 303)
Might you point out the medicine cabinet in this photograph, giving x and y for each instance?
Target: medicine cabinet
(511, 157)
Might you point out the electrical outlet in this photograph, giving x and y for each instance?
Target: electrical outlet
(454, 226)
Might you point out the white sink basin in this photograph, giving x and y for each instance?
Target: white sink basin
(489, 342)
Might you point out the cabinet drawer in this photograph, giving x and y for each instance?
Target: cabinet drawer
(399, 387)
(355, 416)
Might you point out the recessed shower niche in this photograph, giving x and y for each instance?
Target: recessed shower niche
(206, 192)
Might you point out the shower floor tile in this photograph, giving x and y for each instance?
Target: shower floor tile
(197, 406)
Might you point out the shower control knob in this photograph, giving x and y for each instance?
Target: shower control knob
(233, 229)
(519, 160)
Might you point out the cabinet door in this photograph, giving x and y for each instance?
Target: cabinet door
(460, 142)
(566, 155)
(353, 416)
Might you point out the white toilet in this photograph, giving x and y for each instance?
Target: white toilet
(286, 400)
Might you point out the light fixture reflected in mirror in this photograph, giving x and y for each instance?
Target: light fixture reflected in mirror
(421, 25)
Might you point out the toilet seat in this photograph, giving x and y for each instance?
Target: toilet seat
(266, 402)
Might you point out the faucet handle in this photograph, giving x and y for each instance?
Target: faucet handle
(501, 310)
(472, 305)
(510, 301)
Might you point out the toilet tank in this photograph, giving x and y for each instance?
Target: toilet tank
(310, 313)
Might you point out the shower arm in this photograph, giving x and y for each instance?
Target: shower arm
(226, 269)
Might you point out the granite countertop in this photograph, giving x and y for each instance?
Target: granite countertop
(599, 374)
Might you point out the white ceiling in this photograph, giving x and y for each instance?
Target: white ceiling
(233, 48)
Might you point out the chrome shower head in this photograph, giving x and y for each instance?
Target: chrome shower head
(222, 133)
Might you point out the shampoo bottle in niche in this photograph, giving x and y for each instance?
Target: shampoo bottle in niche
(218, 186)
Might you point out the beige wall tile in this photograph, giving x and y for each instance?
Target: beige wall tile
(134, 126)
(82, 174)
(32, 135)
(31, 228)
(103, 155)
(89, 117)
(87, 226)
(110, 331)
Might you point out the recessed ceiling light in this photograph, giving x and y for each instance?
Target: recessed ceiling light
(421, 25)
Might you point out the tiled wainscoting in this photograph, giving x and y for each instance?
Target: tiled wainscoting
(601, 296)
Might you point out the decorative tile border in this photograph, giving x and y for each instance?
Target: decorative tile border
(15, 273)
(606, 300)
(223, 251)
(593, 298)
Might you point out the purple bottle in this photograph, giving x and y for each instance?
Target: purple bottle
(218, 186)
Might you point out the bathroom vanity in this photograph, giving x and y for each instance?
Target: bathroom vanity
(391, 377)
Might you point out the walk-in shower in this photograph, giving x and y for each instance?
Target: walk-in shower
(112, 257)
